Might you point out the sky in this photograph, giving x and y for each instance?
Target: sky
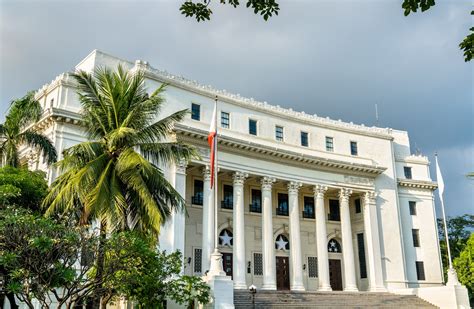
(335, 58)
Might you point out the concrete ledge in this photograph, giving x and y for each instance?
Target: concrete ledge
(444, 297)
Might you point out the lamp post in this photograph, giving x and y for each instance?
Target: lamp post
(253, 291)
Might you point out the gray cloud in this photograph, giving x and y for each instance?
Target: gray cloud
(333, 58)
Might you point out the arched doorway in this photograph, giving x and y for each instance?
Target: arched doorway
(335, 270)
(282, 244)
(226, 240)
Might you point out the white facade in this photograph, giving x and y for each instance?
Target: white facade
(285, 173)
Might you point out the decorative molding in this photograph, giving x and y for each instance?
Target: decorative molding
(267, 182)
(319, 191)
(416, 159)
(358, 180)
(344, 194)
(181, 167)
(206, 173)
(417, 184)
(239, 178)
(369, 197)
(293, 187)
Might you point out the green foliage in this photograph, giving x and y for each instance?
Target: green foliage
(111, 177)
(464, 265)
(201, 11)
(187, 289)
(23, 112)
(467, 45)
(22, 188)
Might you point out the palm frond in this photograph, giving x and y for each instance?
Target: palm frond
(167, 153)
(160, 129)
(40, 142)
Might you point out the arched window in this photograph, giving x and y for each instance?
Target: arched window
(334, 246)
(226, 238)
(282, 243)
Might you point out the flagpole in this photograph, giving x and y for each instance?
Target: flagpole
(216, 166)
(444, 215)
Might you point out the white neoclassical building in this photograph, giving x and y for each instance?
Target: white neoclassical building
(305, 203)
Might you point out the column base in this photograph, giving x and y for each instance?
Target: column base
(298, 288)
(269, 287)
(240, 286)
(378, 289)
(351, 289)
(325, 288)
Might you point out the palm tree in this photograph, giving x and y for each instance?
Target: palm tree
(12, 134)
(115, 176)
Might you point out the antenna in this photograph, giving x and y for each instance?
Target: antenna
(376, 115)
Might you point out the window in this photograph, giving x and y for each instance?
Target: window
(198, 192)
(282, 243)
(334, 214)
(416, 237)
(420, 270)
(252, 127)
(282, 209)
(196, 111)
(304, 139)
(228, 194)
(197, 260)
(256, 205)
(362, 263)
(329, 144)
(334, 246)
(225, 120)
(407, 171)
(257, 264)
(312, 267)
(279, 133)
(357, 205)
(412, 208)
(308, 210)
(354, 148)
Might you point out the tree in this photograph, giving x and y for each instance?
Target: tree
(22, 112)
(266, 8)
(464, 265)
(22, 188)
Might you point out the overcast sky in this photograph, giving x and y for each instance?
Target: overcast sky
(336, 58)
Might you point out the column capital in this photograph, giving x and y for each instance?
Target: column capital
(181, 167)
(345, 193)
(206, 173)
(294, 186)
(319, 190)
(267, 182)
(239, 177)
(369, 197)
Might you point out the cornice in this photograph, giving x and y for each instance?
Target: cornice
(245, 147)
(415, 159)
(417, 184)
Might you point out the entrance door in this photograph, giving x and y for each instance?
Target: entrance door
(283, 273)
(335, 275)
(227, 263)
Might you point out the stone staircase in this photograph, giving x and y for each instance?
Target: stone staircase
(333, 300)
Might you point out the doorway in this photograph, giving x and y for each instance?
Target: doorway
(335, 275)
(227, 262)
(283, 273)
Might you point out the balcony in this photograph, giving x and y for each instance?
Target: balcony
(227, 204)
(255, 207)
(308, 214)
(196, 200)
(334, 217)
(282, 211)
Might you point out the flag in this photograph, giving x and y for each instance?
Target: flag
(212, 141)
(439, 179)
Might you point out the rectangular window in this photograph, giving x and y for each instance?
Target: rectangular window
(198, 192)
(256, 204)
(312, 267)
(357, 205)
(308, 210)
(362, 262)
(196, 111)
(412, 208)
(416, 237)
(282, 209)
(197, 260)
(420, 270)
(252, 127)
(304, 139)
(407, 171)
(354, 150)
(257, 264)
(228, 194)
(329, 143)
(334, 213)
(279, 133)
(225, 120)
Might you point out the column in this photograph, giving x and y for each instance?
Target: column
(347, 247)
(207, 221)
(268, 245)
(296, 282)
(374, 256)
(239, 266)
(321, 239)
(179, 222)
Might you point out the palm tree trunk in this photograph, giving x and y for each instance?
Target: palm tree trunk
(100, 264)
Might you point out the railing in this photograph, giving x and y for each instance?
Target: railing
(254, 207)
(334, 217)
(227, 204)
(308, 214)
(282, 211)
(196, 200)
